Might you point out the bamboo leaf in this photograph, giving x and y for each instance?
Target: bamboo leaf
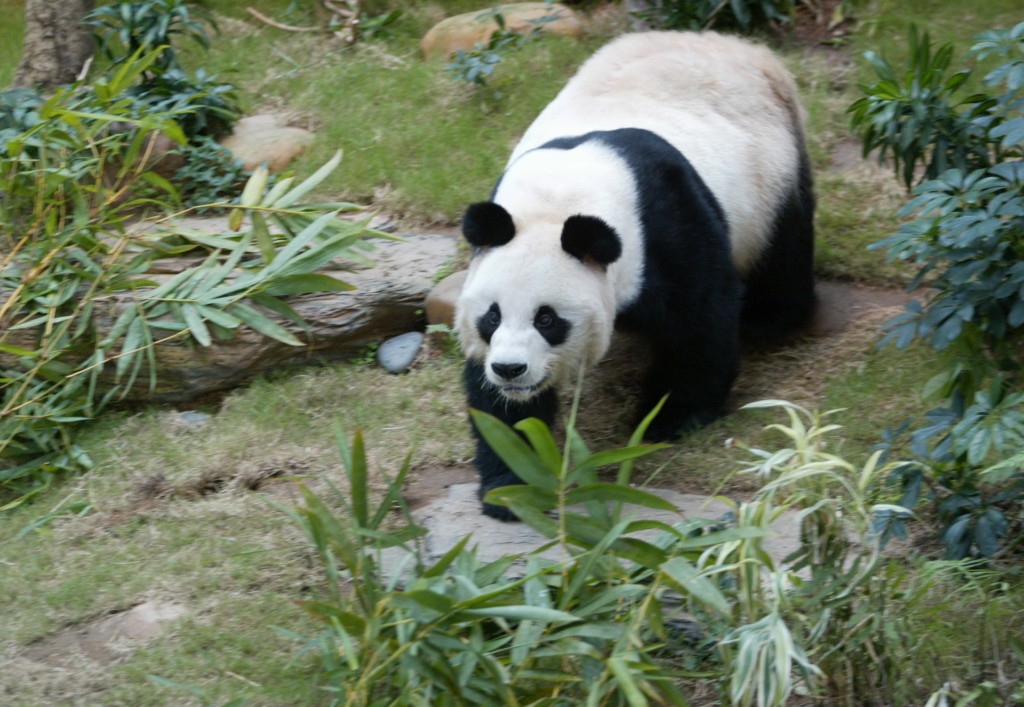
(612, 493)
(264, 241)
(263, 324)
(626, 682)
(514, 451)
(280, 308)
(236, 219)
(543, 443)
(288, 254)
(196, 325)
(254, 187)
(308, 184)
(301, 284)
(358, 482)
(132, 340)
(523, 613)
(218, 316)
(276, 191)
(688, 579)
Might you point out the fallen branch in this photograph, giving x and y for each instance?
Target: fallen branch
(274, 23)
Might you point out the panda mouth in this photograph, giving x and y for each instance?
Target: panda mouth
(514, 390)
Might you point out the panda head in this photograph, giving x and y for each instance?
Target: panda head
(537, 303)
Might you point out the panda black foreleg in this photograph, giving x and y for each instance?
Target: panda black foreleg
(481, 395)
(696, 376)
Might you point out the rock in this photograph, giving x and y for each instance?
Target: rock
(449, 520)
(464, 31)
(191, 418)
(397, 354)
(441, 300)
(266, 138)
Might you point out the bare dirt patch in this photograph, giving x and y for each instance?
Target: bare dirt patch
(106, 638)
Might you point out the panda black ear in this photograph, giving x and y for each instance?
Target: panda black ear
(487, 224)
(590, 238)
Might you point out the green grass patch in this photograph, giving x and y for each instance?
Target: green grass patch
(12, 31)
(418, 143)
(882, 24)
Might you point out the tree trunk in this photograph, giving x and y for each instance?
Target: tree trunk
(56, 44)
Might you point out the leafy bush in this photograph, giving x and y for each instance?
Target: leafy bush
(210, 171)
(915, 119)
(143, 26)
(621, 619)
(81, 316)
(967, 239)
(201, 105)
(126, 30)
(708, 14)
(462, 631)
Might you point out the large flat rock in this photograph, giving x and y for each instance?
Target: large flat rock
(449, 519)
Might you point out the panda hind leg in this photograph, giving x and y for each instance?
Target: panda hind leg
(779, 298)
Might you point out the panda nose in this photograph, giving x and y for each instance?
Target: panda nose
(508, 371)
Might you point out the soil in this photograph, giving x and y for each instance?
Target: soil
(105, 638)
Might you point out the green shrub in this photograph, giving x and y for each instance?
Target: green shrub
(210, 172)
(81, 314)
(967, 239)
(202, 104)
(717, 14)
(462, 631)
(123, 29)
(620, 620)
(915, 119)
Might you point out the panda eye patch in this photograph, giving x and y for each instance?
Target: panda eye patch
(489, 322)
(552, 327)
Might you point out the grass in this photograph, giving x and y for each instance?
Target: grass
(173, 510)
(11, 31)
(403, 122)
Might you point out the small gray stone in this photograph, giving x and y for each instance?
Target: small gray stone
(397, 354)
(192, 418)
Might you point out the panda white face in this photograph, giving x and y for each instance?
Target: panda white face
(533, 321)
(537, 304)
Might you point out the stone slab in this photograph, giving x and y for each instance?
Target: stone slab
(448, 520)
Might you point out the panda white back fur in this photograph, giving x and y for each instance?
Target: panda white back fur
(667, 190)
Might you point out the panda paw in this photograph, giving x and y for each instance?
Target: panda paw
(501, 513)
(668, 427)
(659, 431)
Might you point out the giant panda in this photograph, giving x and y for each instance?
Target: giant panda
(665, 190)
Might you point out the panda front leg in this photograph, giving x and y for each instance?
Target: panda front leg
(696, 374)
(483, 396)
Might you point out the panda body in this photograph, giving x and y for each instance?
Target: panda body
(666, 190)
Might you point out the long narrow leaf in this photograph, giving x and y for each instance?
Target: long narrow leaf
(310, 183)
(618, 493)
(514, 451)
(263, 324)
(196, 325)
(688, 579)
